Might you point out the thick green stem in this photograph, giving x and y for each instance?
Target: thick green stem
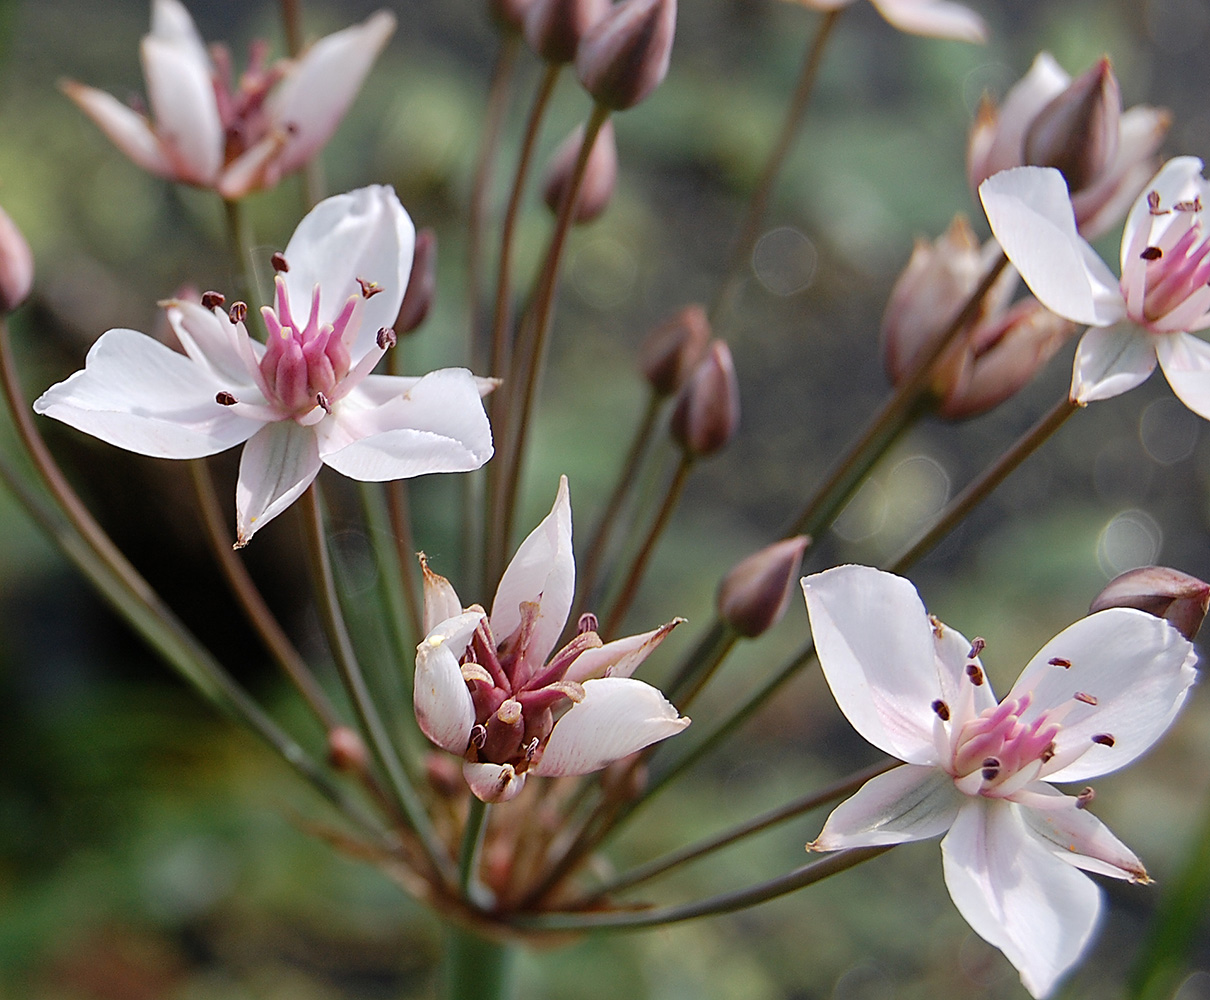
(472, 842)
(477, 968)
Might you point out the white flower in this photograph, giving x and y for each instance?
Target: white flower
(240, 138)
(485, 690)
(307, 398)
(1092, 700)
(935, 18)
(1143, 317)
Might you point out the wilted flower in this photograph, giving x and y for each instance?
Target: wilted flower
(1144, 316)
(1092, 700)
(600, 174)
(308, 396)
(1078, 127)
(626, 55)
(485, 690)
(16, 265)
(233, 137)
(935, 18)
(992, 360)
(1166, 593)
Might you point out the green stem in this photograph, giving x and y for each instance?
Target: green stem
(472, 842)
(239, 243)
(713, 648)
(477, 968)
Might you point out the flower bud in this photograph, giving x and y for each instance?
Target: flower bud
(346, 751)
(755, 594)
(707, 411)
(16, 265)
(1166, 593)
(625, 57)
(600, 174)
(509, 15)
(1077, 132)
(672, 350)
(422, 284)
(554, 28)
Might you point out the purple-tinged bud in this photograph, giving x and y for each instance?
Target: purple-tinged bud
(509, 15)
(16, 265)
(346, 751)
(422, 284)
(753, 597)
(625, 57)
(1077, 132)
(1166, 593)
(600, 174)
(707, 412)
(671, 351)
(555, 28)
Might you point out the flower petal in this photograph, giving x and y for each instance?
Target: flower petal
(619, 658)
(1000, 144)
(1185, 361)
(875, 645)
(126, 129)
(493, 782)
(1179, 179)
(180, 88)
(1077, 837)
(142, 396)
(279, 462)
(361, 234)
(1016, 894)
(911, 802)
(1111, 362)
(213, 342)
(934, 18)
(1129, 673)
(444, 709)
(618, 716)
(543, 571)
(1031, 216)
(436, 424)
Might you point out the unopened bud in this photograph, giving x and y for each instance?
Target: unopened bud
(707, 411)
(346, 751)
(625, 57)
(509, 15)
(755, 594)
(422, 284)
(672, 350)
(600, 174)
(16, 265)
(1078, 131)
(554, 28)
(1166, 593)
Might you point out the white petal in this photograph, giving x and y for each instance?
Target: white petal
(934, 18)
(213, 341)
(142, 396)
(875, 645)
(1031, 216)
(180, 89)
(1136, 667)
(362, 234)
(1077, 837)
(619, 658)
(1178, 180)
(127, 129)
(618, 716)
(310, 102)
(1111, 362)
(493, 782)
(911, 802)
(444, 709)
(436, 425)
(1016, 894)
(170, 22)
(1185, 360)
(542, 571)
(279, 462)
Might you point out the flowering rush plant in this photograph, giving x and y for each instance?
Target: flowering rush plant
(491, 725)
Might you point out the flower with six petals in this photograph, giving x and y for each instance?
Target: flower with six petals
(1089, 702)
(934, 18)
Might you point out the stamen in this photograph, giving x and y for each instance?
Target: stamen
(975, 674)
(1087, 699)
(369, 288)
(322, 402)
(531, 748)
(977, 647)
(1189, 206)
(278, 260)
(1058, 661)
(942, 710)
(1152, 253)
(386, 338)
(509, 712)
(1104, 739)
(478, 736)
(1085, 798)
(225, 398)
(213, 300)
(991, 768)
(588, 623)
(1048, 753)
(1153, 204)
(238, 312)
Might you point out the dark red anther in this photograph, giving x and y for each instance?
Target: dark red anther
(1153, 204)
(1058, 661)
(225, 398)
(1152, 253)
(213, 300)
(1087, 699)
(587, 623)
(1189, 206)
(977, 647)
(369, 288)
(278, 260)
(238, 312)
(386, 338)
(1104, 739)
(942, 710)
(975, 674)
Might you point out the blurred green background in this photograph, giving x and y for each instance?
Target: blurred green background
(150, 850)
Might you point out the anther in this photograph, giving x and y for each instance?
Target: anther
(225, 398)
(1104, 739)
(1153, 203)
(1087, 699)
(1048, 752)
(369, 288)
(975, 674)
(238, 312)
(531, 748)
(991, 768)
(1189, 206)
(1152, 253)
(278, 260)
(942, 710)
(587, 623)
(322, 402)
(386, 338)
(1085, 797)
(213, 300)
(509, 712)
(938, 628)
(478, 736)
(977, 647)
(1058, 661)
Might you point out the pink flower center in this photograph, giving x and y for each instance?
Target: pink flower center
(241, 105)
(1178, 268)
(1003, 751)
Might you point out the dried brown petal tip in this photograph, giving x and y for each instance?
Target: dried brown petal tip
(672, 350)
(555, 28)
(625, 57)
(1166, 593)
(755, 594)
(422, 284)
(16, 265)
(600, 174)
(706, 416)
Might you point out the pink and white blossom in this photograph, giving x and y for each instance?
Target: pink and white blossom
(1145, 316)
(235, 137)
(488, 688)
(306, 399)
(935, 18)
(1090, 701)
